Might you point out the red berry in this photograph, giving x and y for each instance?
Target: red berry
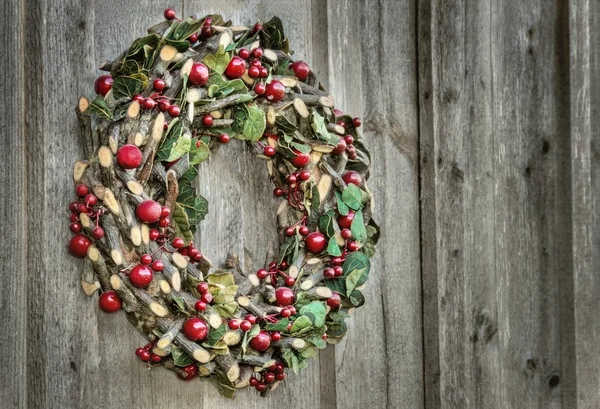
(342, 124)
(253, 72)
(155, 358)
(109, 301)
(73, 206)
(200, 305)
(264, 72)
(352, 246)
(224, 138)
(301, 160)
(148, 211)
(261, 342)
(245, 325)
(275, 91)
(256, 63)
(352, 155)
(207, 121)
(290, 231)
(292, 310)
(304, 175)
(234, 324)
(103, 84)
(284, 296)
(356, 122)
(269, 151)
(202, 287)
(352, 177)
(236, 68)
(149, 103)
(316, 242)
(261, 387)
(244, 53)
(336, 261)
(198, 74)
(75, 227)
(79, 245)
(158, 265)
(280, 376)
(158, 84)
(90, 199)
(165, 211)
(154, 234)
(346, 221)
(187, 373)
(139, 351)
(207, 297)
(283, 265)
(275, 336)
(300, 69)
(349, 139)
(257, 53)
(278, 192)
(139, 98)
(257, 27)
(169, 14)
(260, 88)
(285, 313)
(195, 329)
(328, 272)
(303, 230)
(129, 156)
(253, 381)
(340, 147)
(207, 21)
(73, 218)
(178, 242)
(338, 271)
(145, 356)
(346, 234)
(251, 319)
(164, 106)
(81, 208)
(291, 179)
(164, 222)
(197, 257)
(174, 111)
(206, 32)
(269, 377)
(334, 301)
(140, 276)
(97, 233)
(290, 281)
(262, 273)
(146, 259)
(81, 190)
(279, 368)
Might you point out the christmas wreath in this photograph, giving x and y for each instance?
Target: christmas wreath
(172, 96)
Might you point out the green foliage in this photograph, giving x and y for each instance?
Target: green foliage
(98, 107)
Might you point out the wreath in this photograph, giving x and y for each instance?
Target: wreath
(184, 89)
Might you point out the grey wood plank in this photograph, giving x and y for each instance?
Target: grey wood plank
(373, 54)
(585, 179)
(13, 215)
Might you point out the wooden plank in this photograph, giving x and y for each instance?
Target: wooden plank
(13, 219)
(585, 179)
(380, 362)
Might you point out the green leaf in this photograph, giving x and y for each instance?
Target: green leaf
(180, 45)
(195, 206)
(179, 303)
(221, 279)
(356, 270)
(341, 206)
(358, 228)
(333, 249)
(185, 29)
(320, 129)
(226, 310)
(174, 141)
(182, 224)
(126, 87)
(98, 107)
(180, 358)
(199, 151)
(274, 36)
(318, 311)
(316, 198)
(150, 40)
(216, 334)
(284, 124)
(356, 298)
(301, 323)
(352, 197)
(178, 148)
(218, 62)
(279, 326)
(309, 352)
(288, 248)
(336, 284)
(255, 124)
(326, 224)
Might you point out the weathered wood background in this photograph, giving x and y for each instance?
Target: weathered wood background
(483, 116)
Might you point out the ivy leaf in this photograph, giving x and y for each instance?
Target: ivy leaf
(218, 62)
(301, 324)
(318, 310)
(216, 334)
(333, 249)
(180, 358)
(98, 107)
(341, 206)
(289, 248)
(194, 205)
(356, 270)
(359, 231)
(126, 87)
(274, 36)
(279, 326)
(255, 124)
(180, 45)
(199, 151)
(185, 29)
(221, 279)
(284, 124)
(173, 136)
(320, 129)
(356, 298)
(179, 147)
(179, 303)
(150, 40)
(182, 224)
(352, 196)
(326, 224)
(336, 284)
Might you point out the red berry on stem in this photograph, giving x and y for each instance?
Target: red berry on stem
(342, 124)
(206, 32)
(253, 381)
(139, 98)
(207, 297)
(90, 199)
(257, 27)
(81, 208)
(154, 234)
(269, 151)
(316, 242)
(164, 106)
(346, 221)
(146, 259)
(244, 53)
(198, 74)
(346, 234)
(285, 313)
(269, 377)
(260, 88)
(170, 14)
(224, 138)
(275, 91)
(81, 190)
(334, 301)
(73, 206)
(103, 84)
(195, 329)
(158, 84)
(261, 342)
(349, 139)
(148, 211)
(140, 276)
(301, 160)
(338, 271)
(340, 147)
(79, 245)
(253, 72)
(164, 222)
(109, 301)
(278, 192)
(301, 70)
(178, 242)
(207, 121)
(352, 177)
(236, 68)
(290, 281)
(283, 265)
(158, 265)
(75, 227)
(202, 287)
(257, 53)
(174, 111)
(148, 103)
(139, 351)
(73, 218)
(304, 175)
(200, 305)
(352, 246)
(328, 272)
(145, 356)
(290, 231)
(155, 358)
(233, 325)
(251, 319)
(129, 156)
(97, 233)
(284, 296)
(280, 376)
(356, 122)
(261, 386)
(264, 72)
(187, 373)
(336, 261)
(303, 230)
(165, 211)
(245, 325)
(275, 336)
(262, 274)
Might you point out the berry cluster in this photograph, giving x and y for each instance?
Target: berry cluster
(146, 355)
(275, 372)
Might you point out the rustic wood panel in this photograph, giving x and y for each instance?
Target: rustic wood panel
(13, 212)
